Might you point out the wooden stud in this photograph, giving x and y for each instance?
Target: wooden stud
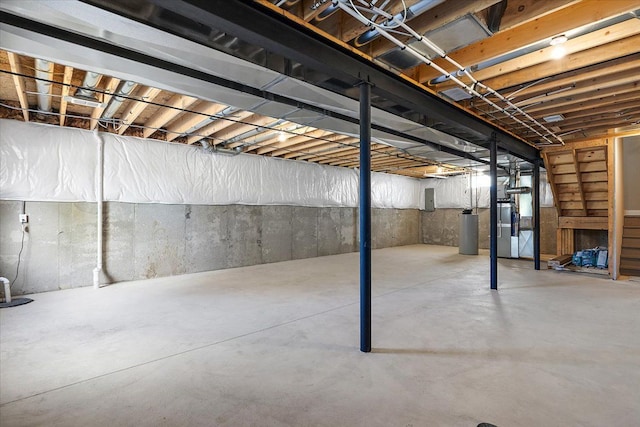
(66, 81)
(217, 126)
(173, 108)
(204, 110)
(16, 68)
(109, 89)
(136, 107)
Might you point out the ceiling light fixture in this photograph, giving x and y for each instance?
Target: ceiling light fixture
(553, 118)
(282, 137)
(558, 50)
(87, 101)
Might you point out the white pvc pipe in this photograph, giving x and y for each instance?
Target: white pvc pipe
(99, 202)
(7, 289)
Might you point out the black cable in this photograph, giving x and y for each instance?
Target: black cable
(24, 205)
(19, 257)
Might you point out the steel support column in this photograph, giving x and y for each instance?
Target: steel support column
(493, 247)
(536, 214)
(365, 217)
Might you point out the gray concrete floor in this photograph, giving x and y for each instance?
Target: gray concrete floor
(277, 344)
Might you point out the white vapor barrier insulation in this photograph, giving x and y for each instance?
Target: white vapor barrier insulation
(453, 192)
(50, 163)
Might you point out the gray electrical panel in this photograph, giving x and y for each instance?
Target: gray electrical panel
(429, 204)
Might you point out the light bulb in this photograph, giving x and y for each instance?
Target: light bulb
(558, 51)
(282, 137)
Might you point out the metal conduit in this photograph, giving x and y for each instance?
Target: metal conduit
(344, 5)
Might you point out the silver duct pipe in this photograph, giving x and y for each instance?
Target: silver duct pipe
(258, 130)
(89, 83)
(224, 113)
(217, 150)
(44, 71)
(118, 98)
(518, 190)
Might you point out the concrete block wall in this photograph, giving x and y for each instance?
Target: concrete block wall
(154, 240)
(441, 226)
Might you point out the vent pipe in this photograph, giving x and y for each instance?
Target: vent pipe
(518, 190)
(89, 84)
(44, 75)
(119, 97)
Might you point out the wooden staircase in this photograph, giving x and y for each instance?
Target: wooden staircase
(630, 256)
(579, 178)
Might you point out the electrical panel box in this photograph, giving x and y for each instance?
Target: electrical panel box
(429, 204)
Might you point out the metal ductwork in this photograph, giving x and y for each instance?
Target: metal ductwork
(89, 83)
(518, 190)
(85, 95)
(44, 75)
(410, 13)
(119, 97)
(206, 145)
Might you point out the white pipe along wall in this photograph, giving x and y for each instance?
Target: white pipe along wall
(99, 200)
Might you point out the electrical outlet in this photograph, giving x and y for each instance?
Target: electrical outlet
(24, 218)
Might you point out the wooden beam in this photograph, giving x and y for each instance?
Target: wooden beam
(174, 106)
(18, 83)
(250, 143)
(324, 150)
(611, 220)
(217, 126)
(590, 104)
(608, 35)
(578, 88)
(553, 24)
(591, 75)
(136, 107)
(308, 147)
(565, 242)
(572, 62)
(350, 29)
(580, 185)
(316, 133)
(603, 132)
(520, 12)
(583, 223)
(308, 14)
(552, 184)
(109, 89)
(595, 94)
(204, 110)
(66, 81)
(250, 123)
